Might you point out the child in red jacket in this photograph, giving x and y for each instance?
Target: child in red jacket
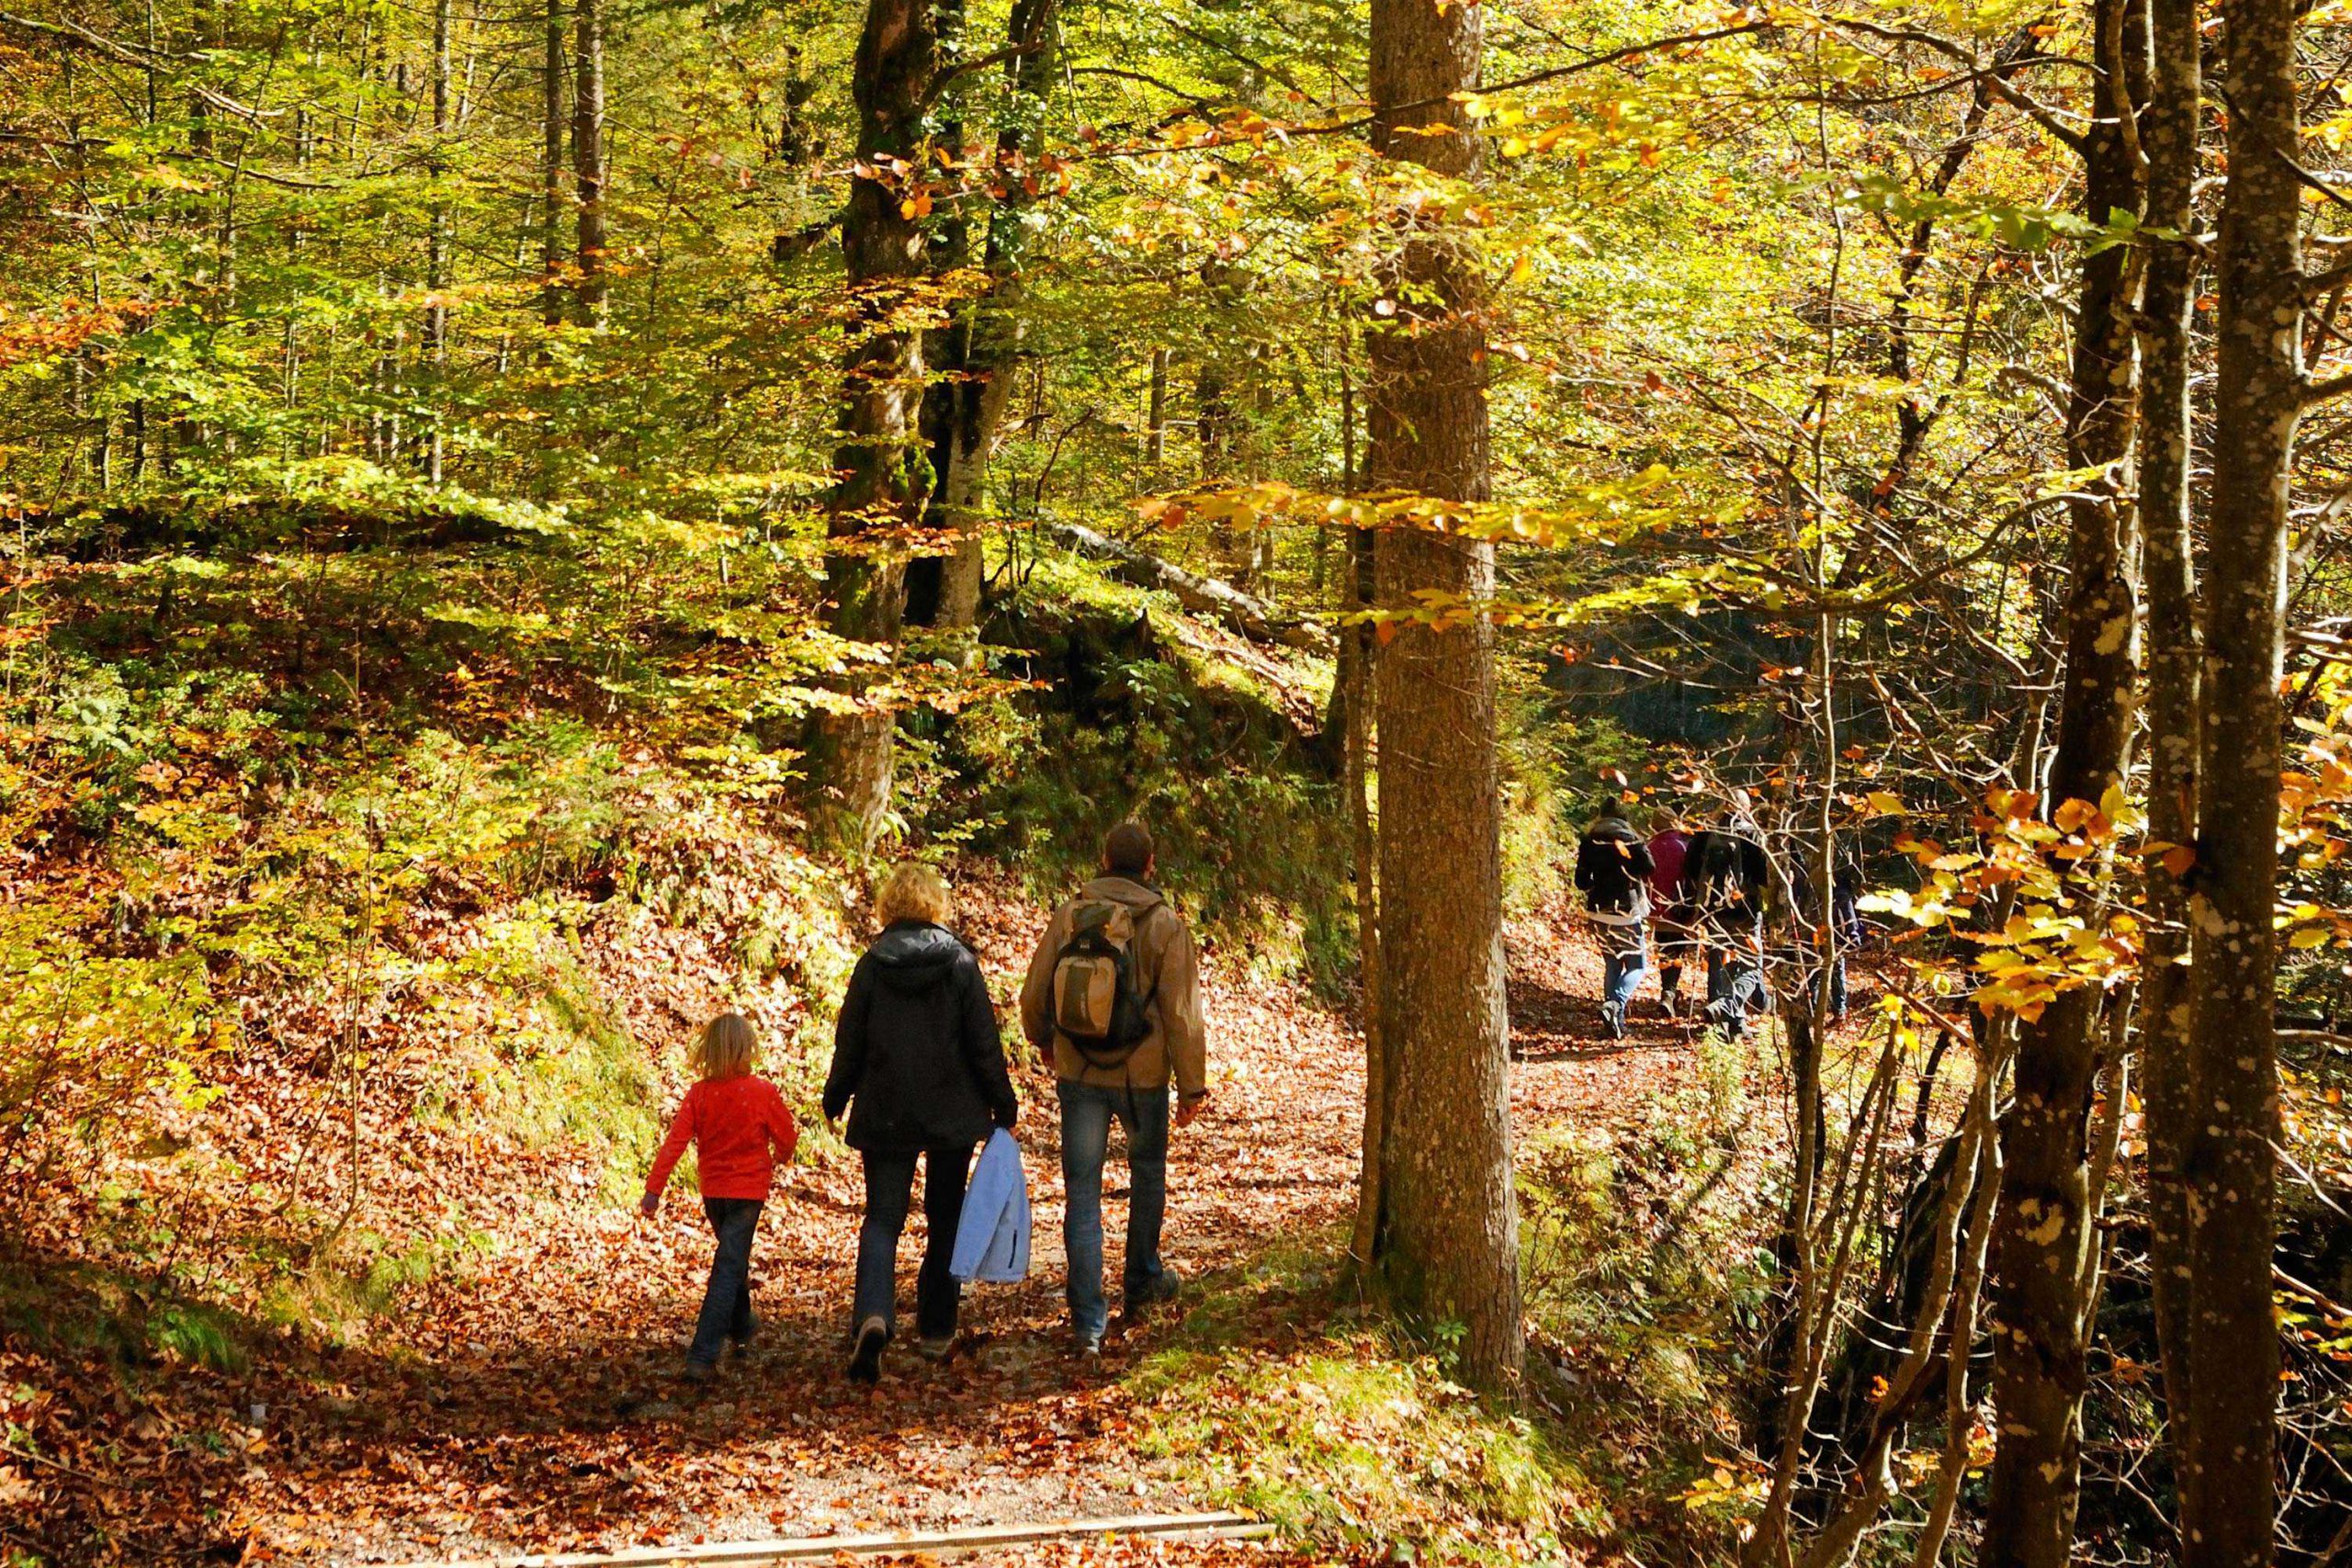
(741, 1129)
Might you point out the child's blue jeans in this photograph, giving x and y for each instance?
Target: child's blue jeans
(727, 1303)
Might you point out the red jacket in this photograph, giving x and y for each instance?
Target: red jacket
(732, 1122)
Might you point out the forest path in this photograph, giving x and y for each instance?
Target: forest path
(526, 1408)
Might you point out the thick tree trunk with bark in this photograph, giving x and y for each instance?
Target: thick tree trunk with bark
(973, 358)
(2168, 130)
(2229, 1434)
(1358, 668)
(551, 169)
(2047, 1230)
(442, 236)
(588, 162)
(1450, 1252)
(881, 484)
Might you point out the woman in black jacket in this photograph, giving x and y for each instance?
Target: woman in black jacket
(918, 1064)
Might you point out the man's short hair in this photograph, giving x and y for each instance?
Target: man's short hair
(1126, 850)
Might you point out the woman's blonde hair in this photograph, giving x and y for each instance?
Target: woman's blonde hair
(724, 1047)
(913, 892)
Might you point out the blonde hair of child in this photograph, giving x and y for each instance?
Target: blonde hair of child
(913, 891)
(724, 1047)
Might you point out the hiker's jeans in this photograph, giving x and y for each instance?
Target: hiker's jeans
(889, 1192)
(727, 1300)
(1624, 957)
(1734, 987)
(1087, 1111)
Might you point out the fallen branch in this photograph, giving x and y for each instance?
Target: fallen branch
(1220, 1526)
(1245, 613)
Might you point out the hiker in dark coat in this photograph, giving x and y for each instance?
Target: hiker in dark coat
(919, 1066)
(1727, 874)
(1844, 932)
(1612, 872)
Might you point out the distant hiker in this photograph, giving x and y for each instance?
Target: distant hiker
(1612, 872)
(1845, 929)
(741, 1131)
(919, 1066)
(1677, 936)
(1727, 874)
(1113, 1002)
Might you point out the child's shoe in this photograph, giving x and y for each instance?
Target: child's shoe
(866, 1361)
(697, 1372)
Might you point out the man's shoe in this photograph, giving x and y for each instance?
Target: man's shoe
(1613, 1019)
(1164, 1286)
(1088, 1347)
(866, 1361)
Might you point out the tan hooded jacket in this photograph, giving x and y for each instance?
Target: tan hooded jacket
(1168, 975)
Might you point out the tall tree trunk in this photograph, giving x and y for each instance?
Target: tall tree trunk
(2047, 1217)
(973, 357)
(1156, 421)
(438, 243)
(881, 485)
(1359, 666)
(588, 169)
(551, 169)
(1451, 1247)
(2229, 1438)
(2169, 131)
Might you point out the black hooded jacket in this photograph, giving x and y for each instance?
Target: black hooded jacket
(1614, 867)
(916, 1048)
(1727, 876)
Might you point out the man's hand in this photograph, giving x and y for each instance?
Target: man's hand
(1189, 1111)
(649, 1205)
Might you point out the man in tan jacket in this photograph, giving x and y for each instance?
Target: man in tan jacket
(1117, 1076)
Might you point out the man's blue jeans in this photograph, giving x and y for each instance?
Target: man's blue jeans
(1624, 958)
(727, 1300)
(1734, 987)
(1087, 1111)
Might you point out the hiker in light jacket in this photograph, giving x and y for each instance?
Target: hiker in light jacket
(1100, 1080)
(1613, 869)
(918, 1064)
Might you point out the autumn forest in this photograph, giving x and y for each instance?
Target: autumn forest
(1606, 751)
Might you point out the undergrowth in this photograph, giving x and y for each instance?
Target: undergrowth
(1276, 1398)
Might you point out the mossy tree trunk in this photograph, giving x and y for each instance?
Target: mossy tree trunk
(2229, 1429)
(2169, 132)
(882, 476)
(588, 162)
(2047, 1217)
(1450, 1252)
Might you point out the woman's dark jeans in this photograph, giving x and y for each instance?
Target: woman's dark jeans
(890, 1190)
(727, 1302)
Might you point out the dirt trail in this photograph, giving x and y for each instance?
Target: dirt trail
(496, 1423)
